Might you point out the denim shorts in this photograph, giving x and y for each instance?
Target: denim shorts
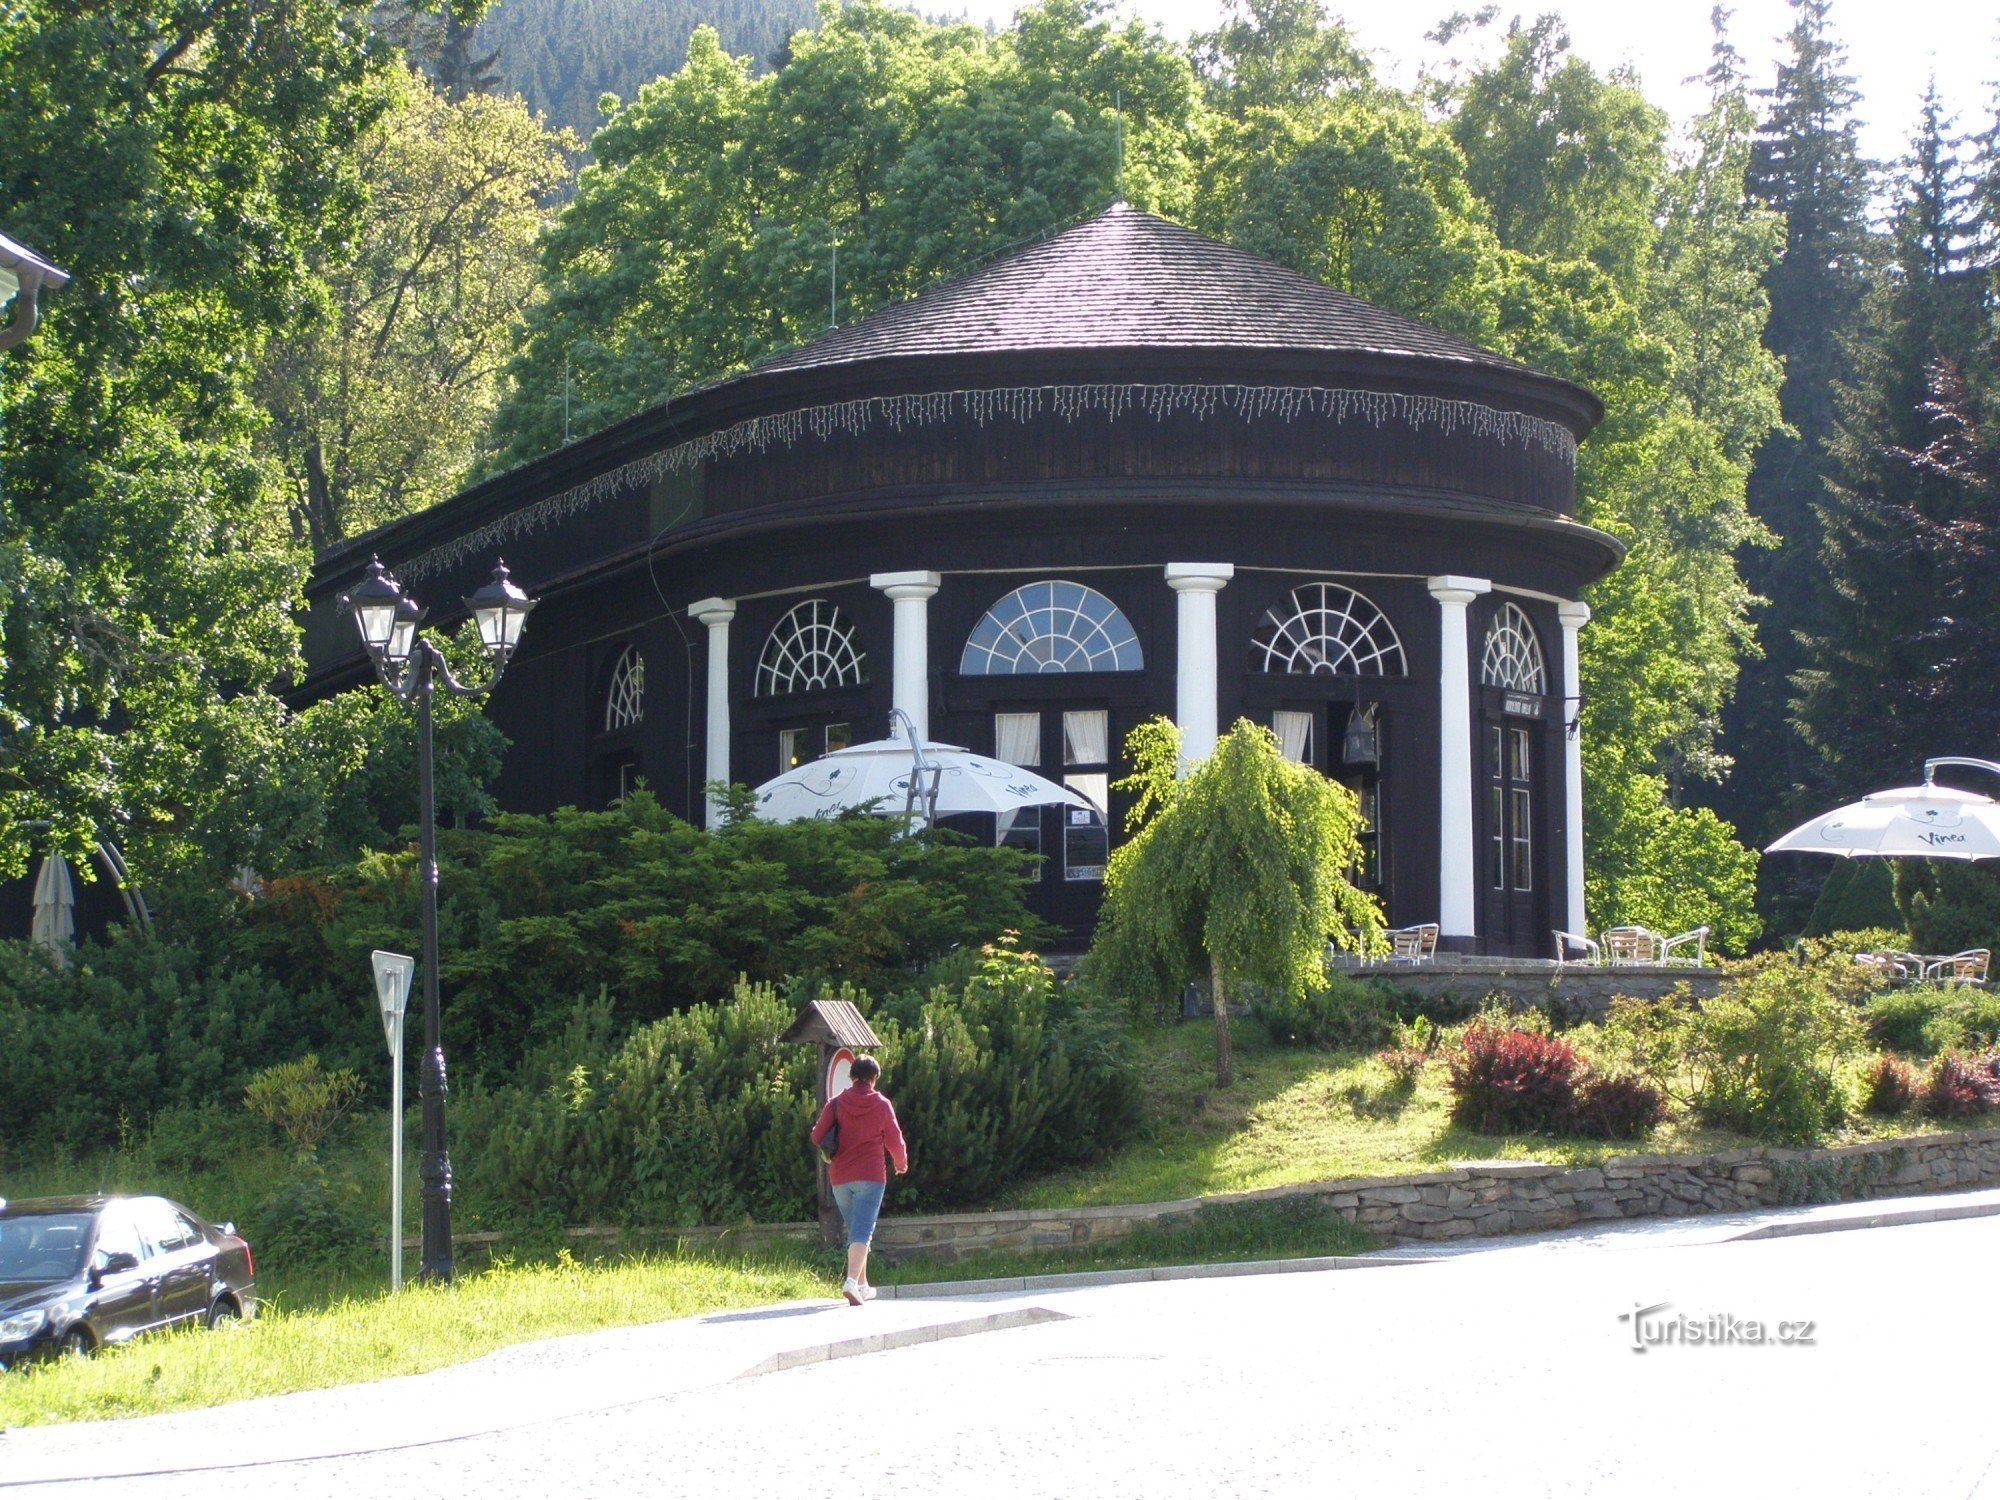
(859, 1203)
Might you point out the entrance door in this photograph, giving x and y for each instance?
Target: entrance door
(1514, 918)
(1072, 746)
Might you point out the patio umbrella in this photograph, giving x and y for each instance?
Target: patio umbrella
(1910, 822)
(55, 906)
(881, 772)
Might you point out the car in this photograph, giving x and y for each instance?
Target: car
(79, 1273)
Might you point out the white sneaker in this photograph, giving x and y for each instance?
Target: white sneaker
(853, 1291)
(867, 1292)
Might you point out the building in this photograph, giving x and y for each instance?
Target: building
(1127, 470)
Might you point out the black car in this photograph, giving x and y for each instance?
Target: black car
(78, 1273)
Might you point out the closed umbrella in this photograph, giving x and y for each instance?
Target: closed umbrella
(55, 907)
(1911, 822)
(949, 779)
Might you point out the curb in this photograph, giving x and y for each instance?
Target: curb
(1073, 1280)
(902, 1338)
(1856, 1216)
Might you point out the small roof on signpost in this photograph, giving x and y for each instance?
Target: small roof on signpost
(831, 1023)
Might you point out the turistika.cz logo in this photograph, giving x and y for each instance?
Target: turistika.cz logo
(1653, 1327)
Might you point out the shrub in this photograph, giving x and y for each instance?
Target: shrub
(1617, 1107)
(1765, 1057)
(1959, 1086)
(1893, 1086)
(302, 1100)
(310, 1222)
(701, 1117)
(1346, 1014)
(1507, 1079)
(1924, 1020)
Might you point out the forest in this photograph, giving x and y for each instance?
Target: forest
(329, 264)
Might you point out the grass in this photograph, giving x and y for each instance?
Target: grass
(332, 1333)
(1295, 1115)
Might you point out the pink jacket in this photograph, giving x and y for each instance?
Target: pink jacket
(867, 1128)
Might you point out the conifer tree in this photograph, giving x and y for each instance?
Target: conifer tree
(1808, 166)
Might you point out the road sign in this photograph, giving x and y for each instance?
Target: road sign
(392, 995)
(839, 1073)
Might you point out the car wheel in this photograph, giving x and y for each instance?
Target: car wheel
(223, 1314)
(79, 1342)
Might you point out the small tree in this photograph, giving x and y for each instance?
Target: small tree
(1241, 863)
(303, 1100)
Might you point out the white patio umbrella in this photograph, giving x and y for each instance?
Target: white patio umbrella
(947, 779)
(55, 907)
(1910, 822)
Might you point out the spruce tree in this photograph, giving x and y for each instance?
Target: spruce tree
(1806, 165)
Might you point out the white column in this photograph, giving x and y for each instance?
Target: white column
(716, 615)
(1195, 678)
(1574, 616)
(1458, 868)
(910, 676)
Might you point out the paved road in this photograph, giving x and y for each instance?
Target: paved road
(1500, 1374)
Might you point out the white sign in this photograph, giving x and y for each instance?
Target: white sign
(392, 994)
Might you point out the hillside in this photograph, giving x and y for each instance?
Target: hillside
(561, 55)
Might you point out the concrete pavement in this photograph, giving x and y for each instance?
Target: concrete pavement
(1502, 1371)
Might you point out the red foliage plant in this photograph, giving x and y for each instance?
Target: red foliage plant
(1617, 1107)
(1959, 1086)
(1503, 1080)
(1893, 1085)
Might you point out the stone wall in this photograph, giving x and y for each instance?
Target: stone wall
(1575, 992)
(1480, 1198)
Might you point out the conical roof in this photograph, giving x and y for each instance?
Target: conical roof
(1129, 279)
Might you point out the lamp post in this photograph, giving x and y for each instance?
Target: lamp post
(414, 670)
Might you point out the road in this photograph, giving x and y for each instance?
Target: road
(1510, 1372)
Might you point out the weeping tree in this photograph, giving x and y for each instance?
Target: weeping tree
(1239, 864)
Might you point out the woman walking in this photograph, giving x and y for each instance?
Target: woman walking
(868, 1131)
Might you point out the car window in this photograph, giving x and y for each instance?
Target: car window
(42, 1247)
(164, 1227)
(116, 1234)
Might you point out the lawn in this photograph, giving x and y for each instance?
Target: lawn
(329, 1331)
(1298, 1115)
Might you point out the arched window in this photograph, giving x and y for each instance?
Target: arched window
(1327, 628)
(1053, 626)
(1513, 655)
(625, 697)
(812, 647)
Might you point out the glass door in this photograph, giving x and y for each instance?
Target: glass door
(1513, 910)
(1071, 746)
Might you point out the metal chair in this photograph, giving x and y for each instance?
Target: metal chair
(1695, 935)
(1968, 967)
(1413, 945)
(1631, 945)
(1593, 951)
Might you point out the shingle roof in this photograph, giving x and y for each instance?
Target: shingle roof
(1129, 279)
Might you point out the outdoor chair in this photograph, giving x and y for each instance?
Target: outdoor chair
(1413, 945)
(1631, 945)
(1968, 967)
(1593, 951)
(1698, 936)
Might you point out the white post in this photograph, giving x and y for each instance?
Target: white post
(716, 615)
(1197, 584)
(910, 674)
(1457, 866)
(396, 1156)
(1574, 616)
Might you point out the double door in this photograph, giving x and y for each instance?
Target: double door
(1072, 746)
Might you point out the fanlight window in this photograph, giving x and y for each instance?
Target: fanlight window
(1327, 628)
(1513, 655)
(812, 647)
(625, 698)
(1054, 626)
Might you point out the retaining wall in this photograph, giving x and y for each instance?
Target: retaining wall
(1468, 1198)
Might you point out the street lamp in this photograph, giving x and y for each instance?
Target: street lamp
(413, 670)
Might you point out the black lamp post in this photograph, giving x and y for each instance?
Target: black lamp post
(413, 669)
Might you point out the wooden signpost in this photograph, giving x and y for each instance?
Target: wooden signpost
(839, 1030)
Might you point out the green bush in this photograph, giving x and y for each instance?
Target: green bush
(701, 1117)
(1346, 1014)
(1948, 905)
(1924, 1020)
(1766, 1056)
(311, 1222)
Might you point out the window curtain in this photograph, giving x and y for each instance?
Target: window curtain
(1086, 737)
(1294, 732)
(1017, 739)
